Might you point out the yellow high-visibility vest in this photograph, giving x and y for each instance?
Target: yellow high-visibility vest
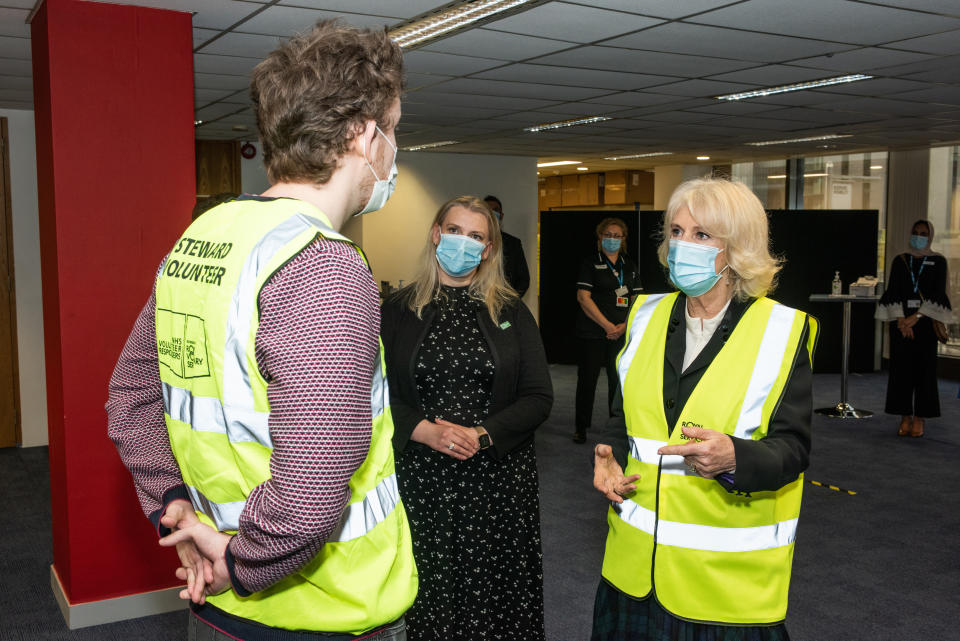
(216, 411)
(708, 554)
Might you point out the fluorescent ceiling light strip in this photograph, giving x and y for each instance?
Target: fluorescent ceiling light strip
(800, 86)
(567, 123)
(451, 19)
(646, 155)
(558, 163)
(431, 145)
(764, 143)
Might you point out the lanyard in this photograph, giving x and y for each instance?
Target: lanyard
(916, 279)
(617, 273)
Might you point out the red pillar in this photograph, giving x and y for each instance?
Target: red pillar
(113, 89)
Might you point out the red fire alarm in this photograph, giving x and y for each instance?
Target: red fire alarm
(248, 151)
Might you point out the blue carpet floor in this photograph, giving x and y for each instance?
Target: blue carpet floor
(880, 565)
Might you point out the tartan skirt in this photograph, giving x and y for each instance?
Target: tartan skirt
(618, 617)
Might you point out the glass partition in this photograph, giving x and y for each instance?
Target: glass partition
(943, 210)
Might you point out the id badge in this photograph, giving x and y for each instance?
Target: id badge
(913, 304)
(621, 291)
(622, 301)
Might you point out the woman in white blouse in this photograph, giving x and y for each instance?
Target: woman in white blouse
(715, 405)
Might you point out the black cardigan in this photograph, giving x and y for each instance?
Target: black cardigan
(521, 396)
(767, 464)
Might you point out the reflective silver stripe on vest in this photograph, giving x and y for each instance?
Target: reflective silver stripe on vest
(379, 390)
(641, 318)
(238, 403)
(708, 537)
(226, 516)
(361, 517)
(645, 451)
(207, 414)
(766, 369)
(356, 521)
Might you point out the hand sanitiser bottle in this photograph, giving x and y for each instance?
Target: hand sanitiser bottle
(837, 286)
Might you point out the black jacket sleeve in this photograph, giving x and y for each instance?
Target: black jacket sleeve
(512, 422)
(780, 457)
(406, 412)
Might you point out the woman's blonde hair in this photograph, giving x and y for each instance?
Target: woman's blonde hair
(731, 213)
(489, 284)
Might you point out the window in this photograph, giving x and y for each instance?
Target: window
(943, 211)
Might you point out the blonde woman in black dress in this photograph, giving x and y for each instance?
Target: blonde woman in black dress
(469, 385)
(918, 309)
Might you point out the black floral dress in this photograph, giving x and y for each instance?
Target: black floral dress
(475, 523)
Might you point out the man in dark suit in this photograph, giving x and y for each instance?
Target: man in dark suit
(514, 262)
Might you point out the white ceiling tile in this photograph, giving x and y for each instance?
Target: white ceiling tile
(420, 80)
(280, 20)
(227, 65)
(660, 8)
(421, 61)
(17, 48)
(773, 75)
(218, 81)
(434, 94)
(572, 109)
(945, 7)
(217, 110)
(737, 108)
(875, 87)
(863, 60)
(205, 96)
(550, 74)
(572, 22)
(400, 10)
(11, 67)
(635, 99)
(496, 44)
(242, 44)
(702, 40)
(16, 95)
(13, 22)
(943, 44)
(616, 59)
(701, 88)
(828, 20)
(518, 89)
(940, 94)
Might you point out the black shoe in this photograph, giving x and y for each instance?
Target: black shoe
(579, 437)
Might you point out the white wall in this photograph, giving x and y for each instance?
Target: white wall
(26, 253)
(394, 237)
(253, 176)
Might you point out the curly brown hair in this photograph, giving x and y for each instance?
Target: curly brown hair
(314, 93)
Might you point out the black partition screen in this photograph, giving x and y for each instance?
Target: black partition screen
(813, 243)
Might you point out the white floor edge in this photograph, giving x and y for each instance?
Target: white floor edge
(82, 615)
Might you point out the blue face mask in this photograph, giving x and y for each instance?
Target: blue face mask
(918, 242)
(459, 255)
(692, 267)
(610, 245)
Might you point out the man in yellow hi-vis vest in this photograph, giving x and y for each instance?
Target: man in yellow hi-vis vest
(250, 402)
(715, 405)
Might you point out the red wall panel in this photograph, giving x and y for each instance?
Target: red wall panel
(113, 89)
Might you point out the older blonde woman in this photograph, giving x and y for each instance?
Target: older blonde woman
(715, 402)
(469, 385)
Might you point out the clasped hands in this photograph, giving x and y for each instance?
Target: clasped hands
(616, 331)
(905, 325)
(440, 435)
(202, 552)
(709, 453)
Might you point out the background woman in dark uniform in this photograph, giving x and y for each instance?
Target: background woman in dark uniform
(917, 305)
(606, 286)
